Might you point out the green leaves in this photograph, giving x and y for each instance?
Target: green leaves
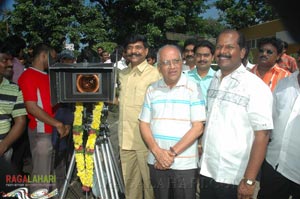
(95, 22)
(245, 13)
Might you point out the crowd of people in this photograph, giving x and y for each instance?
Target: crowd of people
(181, 123)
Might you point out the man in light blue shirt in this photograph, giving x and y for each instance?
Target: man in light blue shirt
(203, 73)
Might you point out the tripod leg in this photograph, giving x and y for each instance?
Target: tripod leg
(99, 173)
(116, 169)
(109, 177)
(110, 166)
(68, 177)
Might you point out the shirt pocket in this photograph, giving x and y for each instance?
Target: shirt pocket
(139, 95)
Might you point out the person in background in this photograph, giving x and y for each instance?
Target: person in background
(118, 57)
(286, 61)
(239, 119)
(280, 176)
(15, 45)
(246, 61)
(133, 83)
(66, 56)
(269, 51)
(171, 121)
(203, 73)
(100, 49)
(63, 147)
(28, 56)
(88, 55)
(298, 58)
(151, 57)
(35, 86)
(105, 57)
(188, 54)
(13, 112)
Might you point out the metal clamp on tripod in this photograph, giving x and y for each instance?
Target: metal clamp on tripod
(107, 180)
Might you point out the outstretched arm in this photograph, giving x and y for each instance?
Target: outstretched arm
(41, 115)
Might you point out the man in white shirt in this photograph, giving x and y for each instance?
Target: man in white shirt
(239, 118)
(171, 122)
(281, 171)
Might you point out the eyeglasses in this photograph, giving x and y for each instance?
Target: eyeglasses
(167, 63)
(269, 52)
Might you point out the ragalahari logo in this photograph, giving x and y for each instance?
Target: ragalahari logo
(27, 179)
(22, 193)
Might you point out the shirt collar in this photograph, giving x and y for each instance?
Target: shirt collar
(141, 67)
(210, 73)
(43, 72)
(4, 81)
(233, 74)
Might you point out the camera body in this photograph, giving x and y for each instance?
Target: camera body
(82, 82)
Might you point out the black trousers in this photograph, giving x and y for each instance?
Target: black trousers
(173, 184)
(210, 189)
(273, 185)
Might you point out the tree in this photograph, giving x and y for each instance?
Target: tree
(3, 25)
(239, 14)
(55, 21)
(93, 22)
(153, 18)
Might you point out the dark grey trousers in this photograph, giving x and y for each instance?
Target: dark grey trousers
(42, 156)
(173, 184)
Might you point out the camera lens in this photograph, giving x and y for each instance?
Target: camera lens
(87, 83)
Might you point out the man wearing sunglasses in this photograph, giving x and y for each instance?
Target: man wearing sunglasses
(269, 52)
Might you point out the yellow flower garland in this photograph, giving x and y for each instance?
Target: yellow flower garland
(84, 154)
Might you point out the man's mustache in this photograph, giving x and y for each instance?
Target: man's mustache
(134, 54)
(202, 62)
(262, 57)
(189, 57)
(224, 56)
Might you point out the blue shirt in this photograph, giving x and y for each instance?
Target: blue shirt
(203, 82)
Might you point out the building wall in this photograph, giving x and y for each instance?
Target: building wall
(273, 28)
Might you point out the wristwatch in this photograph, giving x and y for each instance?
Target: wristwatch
(249, 182)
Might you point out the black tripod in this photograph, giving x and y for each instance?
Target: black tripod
(108, 183)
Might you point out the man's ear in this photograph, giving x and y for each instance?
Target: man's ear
(243, 53)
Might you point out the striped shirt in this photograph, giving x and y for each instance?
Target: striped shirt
(11, 104)
(170, 113)
(272, 77)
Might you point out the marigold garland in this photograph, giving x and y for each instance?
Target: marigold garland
(84, 154)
